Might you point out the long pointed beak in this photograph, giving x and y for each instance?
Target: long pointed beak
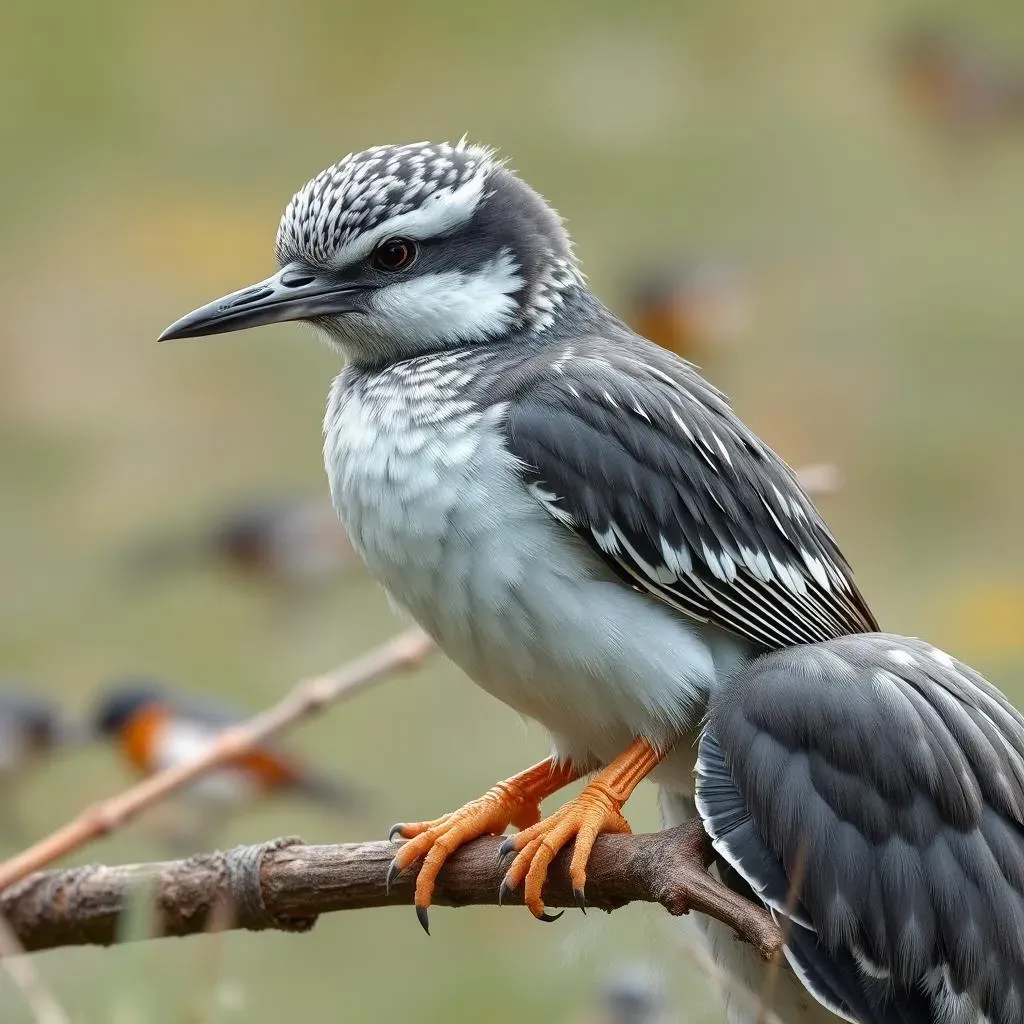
(294, 293)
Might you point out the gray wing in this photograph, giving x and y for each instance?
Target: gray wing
(630, 448)
(871, 790)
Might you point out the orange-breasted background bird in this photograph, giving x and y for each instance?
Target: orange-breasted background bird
(956, 86)
(153, 727)
(694, 308)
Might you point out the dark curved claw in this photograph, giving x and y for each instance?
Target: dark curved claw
(507, 847)
(423, 916)
(504, 891)
(393, 873)
(396, 831)
(548, 918)
(581, 899)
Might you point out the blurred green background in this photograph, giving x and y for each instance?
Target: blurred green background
(147, 153)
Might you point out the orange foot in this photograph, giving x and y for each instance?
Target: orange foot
(597, 809)
(516, 801)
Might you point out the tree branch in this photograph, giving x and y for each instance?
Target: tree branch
(405, 651)
(286, 885)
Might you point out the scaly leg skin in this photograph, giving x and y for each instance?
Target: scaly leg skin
(516, 801)
(597, 809)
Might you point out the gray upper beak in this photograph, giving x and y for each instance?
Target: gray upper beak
(294, 293)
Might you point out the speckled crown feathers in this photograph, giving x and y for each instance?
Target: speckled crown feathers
(367, 188)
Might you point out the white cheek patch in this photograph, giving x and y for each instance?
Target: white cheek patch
(453, 306)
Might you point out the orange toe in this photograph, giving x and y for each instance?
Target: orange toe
(597, 809)
(411, 829)
(594, 811)
(514, 801)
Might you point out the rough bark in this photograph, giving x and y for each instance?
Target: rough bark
(286, 885)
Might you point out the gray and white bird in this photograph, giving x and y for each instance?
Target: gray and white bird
(33, 729)
(870, 791)
(576, 516)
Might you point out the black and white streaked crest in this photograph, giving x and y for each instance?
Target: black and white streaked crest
(493, 240)
(884, 781)
(363, 190)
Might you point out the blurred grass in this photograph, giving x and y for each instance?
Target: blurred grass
(149, 151)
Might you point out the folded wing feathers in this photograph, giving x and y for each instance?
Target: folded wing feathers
(648, 462)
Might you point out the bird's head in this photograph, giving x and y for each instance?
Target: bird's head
(43, 724)
(402, 250)
(121, 701)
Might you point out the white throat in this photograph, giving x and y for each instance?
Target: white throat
(433, 312)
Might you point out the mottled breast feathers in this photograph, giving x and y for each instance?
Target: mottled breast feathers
(629, 447)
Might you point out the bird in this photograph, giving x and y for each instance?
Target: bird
(955, 86)
(573, 513)
(633, 995)
(290, 543)
(869, 791)
(31, 729)
(154, 727)
(692, 308)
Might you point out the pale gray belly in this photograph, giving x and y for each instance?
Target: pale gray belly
(518, 602)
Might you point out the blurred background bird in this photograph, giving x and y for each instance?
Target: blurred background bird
(957, 87)
(153, 727)
(292, 544)
(32, 729)
(630, 994)
(695, 308)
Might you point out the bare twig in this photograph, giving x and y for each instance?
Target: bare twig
(20, 969)
(405, 651)
(286, 885)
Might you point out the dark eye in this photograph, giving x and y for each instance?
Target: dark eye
(394, 254)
